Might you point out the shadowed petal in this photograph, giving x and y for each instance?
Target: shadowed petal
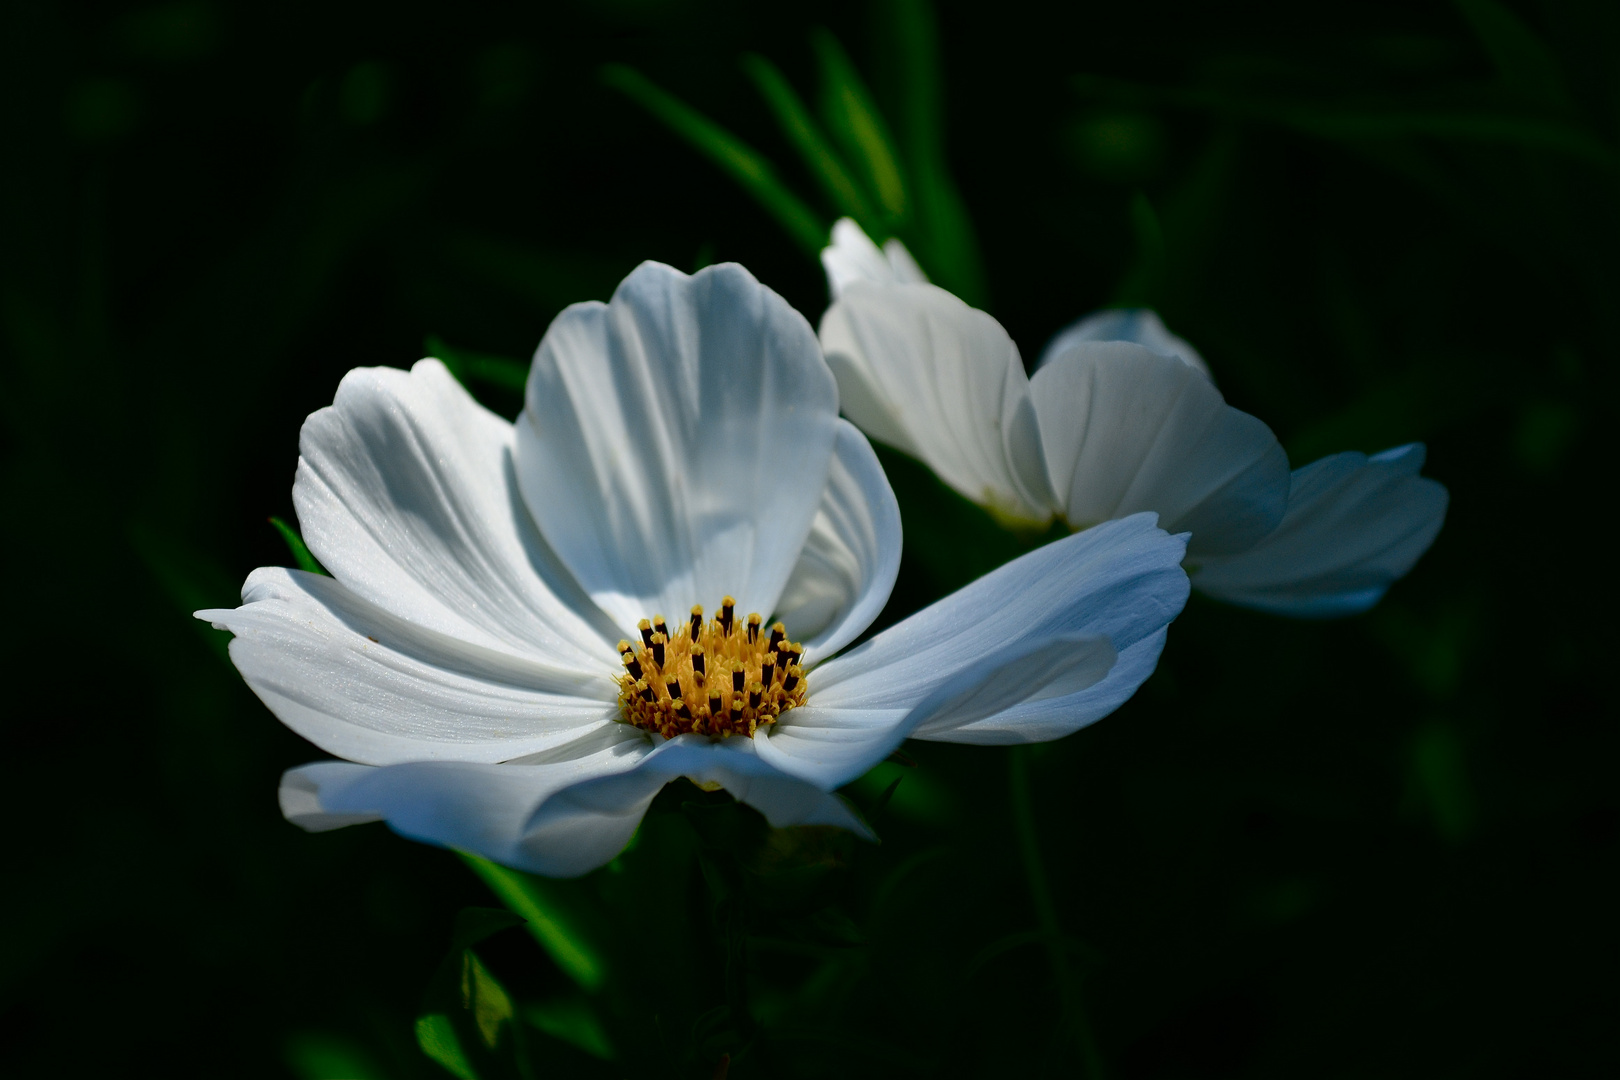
(1354, 525)
(473, 807)
(367, 685)
(1035, 639)
(1126, 430)
(848, 566)
(675, 443)
(919, 369)
(406, 493)
(1141, 326)
(583, 826)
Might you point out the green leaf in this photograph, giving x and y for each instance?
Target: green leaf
(533, 898)
(467, 1020)
(731, 154)
(910, 793)
(1526, 65)
(438, 1040)
(484, 997)
(801, 130)
(300, 550)
(849, 112)
(465, 365)
(940, 232)
(572, 1021)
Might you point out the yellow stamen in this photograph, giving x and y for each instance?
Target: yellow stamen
(715, 678)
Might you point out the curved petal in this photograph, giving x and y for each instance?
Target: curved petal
(591, 822)
(1062, 707)
(919, 369)
(848, 566)
(1119, 583)
(369, 686)
(1142, 326)
(674, 444)
(1354, 525)
(481, 808)
(851, 256)
(406, 493)
(1126, 430)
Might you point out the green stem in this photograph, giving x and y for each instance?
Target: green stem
(1074, 1010)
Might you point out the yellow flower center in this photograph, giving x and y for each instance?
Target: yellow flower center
(721, 677)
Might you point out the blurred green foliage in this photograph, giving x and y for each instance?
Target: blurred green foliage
(1385, 846)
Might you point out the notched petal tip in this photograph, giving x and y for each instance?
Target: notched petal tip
(675, 441)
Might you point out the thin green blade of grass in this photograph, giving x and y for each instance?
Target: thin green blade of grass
(464, 364)
(300, 551)
(940, 232)
(807, 138)
(731, 154)
(528, 896)
(853, 118)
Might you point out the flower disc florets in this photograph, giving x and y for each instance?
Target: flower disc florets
(721, 677)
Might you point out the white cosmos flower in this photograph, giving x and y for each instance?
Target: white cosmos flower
(679, 444)
(1120, 417)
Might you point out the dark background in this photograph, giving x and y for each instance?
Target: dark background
(1383, 846)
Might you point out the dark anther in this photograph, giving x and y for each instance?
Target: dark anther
(646, 632)
(681, 710)
(658, 649)
(791, 681)
(632, 665)
(737, 680)
(728, 615)
(646, 693)
(736, 708)
(778, 633)
(697, 659)
(766, 673)
(674, 688)
(660, 626)
(715, 703)
(754, 696)
(753, 628)
(697, 620)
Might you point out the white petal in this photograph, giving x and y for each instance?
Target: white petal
(1126, 430)
(1028, 676)
(1120, 582)
(484, 809)
(851, 256)
(848, 566)
(591, 822)
(902, 265)
(919, 369)
(1139, 325)
(1066, 708)
(675, 443)
(1354, 525)
(369, 686)
(406, 493)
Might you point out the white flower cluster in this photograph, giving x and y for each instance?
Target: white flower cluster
(1120, 417)
(499, 592)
